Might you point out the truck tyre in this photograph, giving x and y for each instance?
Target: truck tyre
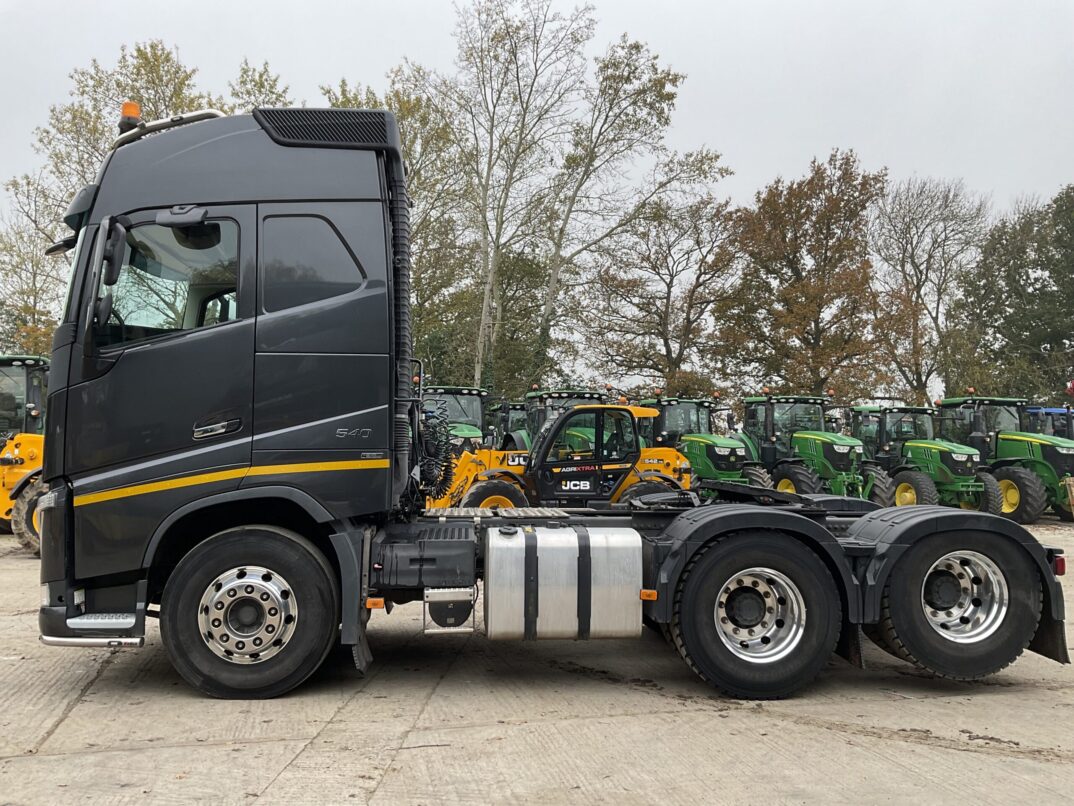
(24, 521)
(791, 477)
(990, 499)
(883, 489)
(494, 494)
(757, 477)
(250, 613)
(1024, 496)
(914, 487)
(961, 612)
(756, 615)
(645, 488)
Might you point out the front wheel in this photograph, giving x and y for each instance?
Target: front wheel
(791, 477)
(756, 615)
(914, 487)
(494, 494)
(882, 489)
(24, 519)
(250, 613)
(757, 476)
(961, 606)
(1024, 495)
(990, 499)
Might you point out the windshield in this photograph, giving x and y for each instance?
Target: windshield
(790, 417)
(908, 425)
(1049, 423)
(12, 398)
(459, 408)
(1001, 418)
(686, 418)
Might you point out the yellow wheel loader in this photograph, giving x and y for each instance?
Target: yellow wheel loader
(589, 454)
(23, 387)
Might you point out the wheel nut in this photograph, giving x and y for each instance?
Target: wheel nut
(272, 611)
(231, 593)
(216, 622)
(264, 597)
(219, 605)
(224, 638)
(249, 589)
(271, 628)
(257, 642)
(240, 645)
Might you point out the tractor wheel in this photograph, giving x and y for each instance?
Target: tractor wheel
(644, 488)
(957, 611)
(990, 499)
(757, 477)
(1024, 495)
(756, 615)
(915, 487)
(250, 613)
(494, 494)
(791, 477)
(24, 518)
(883, 489)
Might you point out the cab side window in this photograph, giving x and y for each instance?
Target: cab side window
(575, 437)
(305, 261)
(618, 442)
(174, 279)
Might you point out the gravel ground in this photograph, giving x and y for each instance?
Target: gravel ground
(463, 719)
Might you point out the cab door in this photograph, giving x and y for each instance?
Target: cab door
(162, 392)
(587, 458)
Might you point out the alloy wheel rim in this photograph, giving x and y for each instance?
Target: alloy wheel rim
(247, 614)
(964, 596)
(760, 615)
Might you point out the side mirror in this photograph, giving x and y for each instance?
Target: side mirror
(112, 256)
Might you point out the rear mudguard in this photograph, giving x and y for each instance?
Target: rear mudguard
(890, 532)
(695, 528)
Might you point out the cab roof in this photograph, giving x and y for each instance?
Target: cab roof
(818, 399)
(639, 412)
(441, 389)
(959, 401)
(23, 360)
(565, 393)
(875, 409)
(672, 401)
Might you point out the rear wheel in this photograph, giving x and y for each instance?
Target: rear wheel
(645, 488)
(990, 499)
(494, 494)
(250, 613)
(914, 487)
(791, 477)
(757, 476)
(882, 491)
(756, 615)
(961, 612)
(24, 519)
(1024, 495)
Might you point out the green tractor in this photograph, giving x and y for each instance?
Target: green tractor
(788, 435)
(464, 408)
(1033, 468)
(926, 470)
(687, 425)
(539, 404)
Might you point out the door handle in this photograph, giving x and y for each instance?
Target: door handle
(216, 429)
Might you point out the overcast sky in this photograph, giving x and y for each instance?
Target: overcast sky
(978, 89)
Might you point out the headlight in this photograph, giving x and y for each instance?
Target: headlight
(1065, 450)
(723, 451)
(960, 457)
(739, 451)
(859, 449)
(841, 448)
(458, 441)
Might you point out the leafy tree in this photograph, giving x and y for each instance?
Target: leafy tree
(257, 87)
(803, 317)
(1011, 331)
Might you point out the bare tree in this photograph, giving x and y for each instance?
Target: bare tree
(658, 292)
(926, 234)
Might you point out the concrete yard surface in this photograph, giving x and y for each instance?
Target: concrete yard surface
(464, 719)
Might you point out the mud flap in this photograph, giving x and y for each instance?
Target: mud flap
(849, 646)
(1050, 639)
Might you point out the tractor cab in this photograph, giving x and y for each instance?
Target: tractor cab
(885, 431)
(23, 385)
(464, 409)
(1052, 421)
(1035, 469)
